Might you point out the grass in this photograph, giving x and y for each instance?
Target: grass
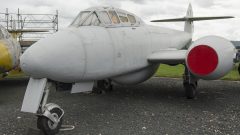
(177, 71)
(16, 74)
(20, 75)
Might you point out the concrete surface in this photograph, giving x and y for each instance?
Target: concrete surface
(157, 106)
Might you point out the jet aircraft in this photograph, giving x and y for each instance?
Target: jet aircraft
(10, 52)
(106, 44)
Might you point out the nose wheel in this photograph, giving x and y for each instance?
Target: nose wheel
(190, 84)
(51, 120)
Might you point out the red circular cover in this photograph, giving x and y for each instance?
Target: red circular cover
(202, 60)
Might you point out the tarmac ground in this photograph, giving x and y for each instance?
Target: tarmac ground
(157, 106)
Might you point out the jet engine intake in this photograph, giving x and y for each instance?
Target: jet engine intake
(210, 57)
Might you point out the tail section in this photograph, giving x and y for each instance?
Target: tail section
(189, 26)
(189, 19)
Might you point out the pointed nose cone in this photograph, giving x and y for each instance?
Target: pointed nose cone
(59, 57)
(31, 63)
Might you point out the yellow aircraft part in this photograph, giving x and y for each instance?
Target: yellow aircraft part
(15, 35)
(5, 58)
(16, 72)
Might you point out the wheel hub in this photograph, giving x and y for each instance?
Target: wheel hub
(51, 124)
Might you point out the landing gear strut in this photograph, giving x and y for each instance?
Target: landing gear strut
(103, 86)
(190, 84)
(50, 116)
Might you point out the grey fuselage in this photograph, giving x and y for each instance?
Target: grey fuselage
(90, 53)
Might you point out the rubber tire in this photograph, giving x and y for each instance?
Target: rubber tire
(101, 84)
(42, 123)
(101, 87)
(190, 90)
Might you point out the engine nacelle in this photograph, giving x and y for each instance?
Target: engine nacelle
(136, 77)
(210, 57)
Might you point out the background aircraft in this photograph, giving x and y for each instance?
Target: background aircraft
(106, 43)
(10, 52)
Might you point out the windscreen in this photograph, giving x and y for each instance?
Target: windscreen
(91, 20)
(81, 17)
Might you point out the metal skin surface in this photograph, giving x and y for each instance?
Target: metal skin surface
(10, 51)
(90, 53)
(121, 52)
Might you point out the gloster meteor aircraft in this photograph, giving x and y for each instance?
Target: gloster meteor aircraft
(106, 44)
(10, 52)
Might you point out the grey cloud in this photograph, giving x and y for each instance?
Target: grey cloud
(119, 1)
(139, 1)
(38, 3)
(205, 3)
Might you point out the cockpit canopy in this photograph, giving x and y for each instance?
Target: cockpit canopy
(106, 16)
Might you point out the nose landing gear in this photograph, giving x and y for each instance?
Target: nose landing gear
(50, 116)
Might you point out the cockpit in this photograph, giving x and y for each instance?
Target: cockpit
(106, 17)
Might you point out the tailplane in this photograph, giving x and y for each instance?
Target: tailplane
(189, 19)
(189, 26)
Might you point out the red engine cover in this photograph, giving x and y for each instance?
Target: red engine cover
(202, 60)
(210, 57)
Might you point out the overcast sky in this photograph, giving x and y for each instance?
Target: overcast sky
(146, 9)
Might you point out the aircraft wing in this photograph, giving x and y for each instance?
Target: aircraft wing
(168, 57)
(193, 19)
